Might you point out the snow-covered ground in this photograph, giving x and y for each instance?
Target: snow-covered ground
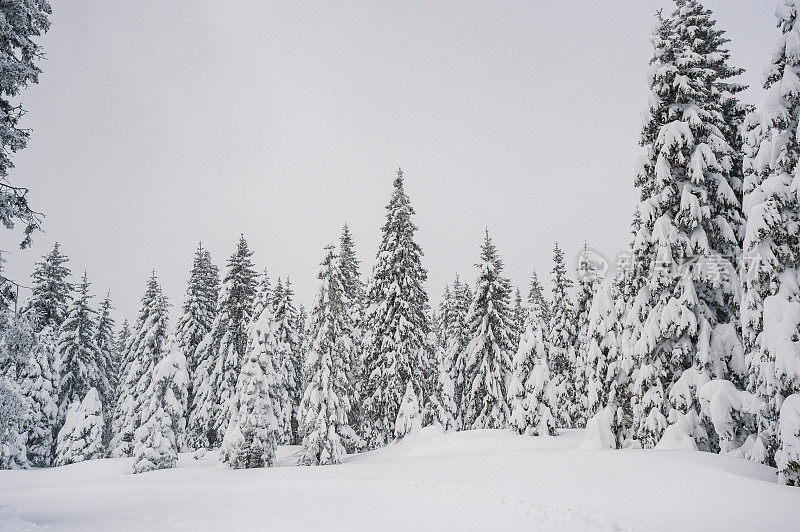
(477, 480)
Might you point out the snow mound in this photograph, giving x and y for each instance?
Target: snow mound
(676, 437)
(471, 480)
(598, 432)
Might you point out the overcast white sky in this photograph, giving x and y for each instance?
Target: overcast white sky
(160, 124)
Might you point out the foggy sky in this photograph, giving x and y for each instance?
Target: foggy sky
(160, 124)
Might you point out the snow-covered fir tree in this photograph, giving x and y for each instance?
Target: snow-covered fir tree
(351, 269)
(290, 356)
(588, 280)
(258, 408)
(227, 345)
(446, 410)
(442, 318)
(109, 358)
(17, 339)
(771, 303)
(49, 302)
(608, 371)
(81, 364)
(123, 336)
(520, 312)
(160, 436)
(561, 343)
(36, 383)
(199, 308)
(328, 399)
(487, 359)
(457, 338)
(81, 437)
(24, 22)
(409, 419)
(691, 220)
(51, 290)
(531, 394)
(354, 289)
(146, 347)
(396, 322)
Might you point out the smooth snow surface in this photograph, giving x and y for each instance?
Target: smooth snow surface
(476, 480)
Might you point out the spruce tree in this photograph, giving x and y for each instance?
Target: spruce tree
(562, 335)
(81, 437)
(519, 317)
(109, 357)
(51, 291)
(81, 364)
(36, 383)
(531, 394)
(328, 399)
(291, 357)
(588, 280)
(122, 340)
(458, 337)
(255, 427)
(487, 359)
(608, 372)
(443, 317)
(770, 312)
(228, 333)
(160, 436)
(199, 308)
(396, 322)
(17, 340)
(690, 230)
(354, 288)
(536, 294)
(146, 347)
(49, 302)
(446, 410)
(19, 54)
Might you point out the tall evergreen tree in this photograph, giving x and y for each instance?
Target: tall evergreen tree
(609, 373)
(146, 348)
(16, 416)
(222, 351)
(770, 312)
(354, 288)
(536, 294)
(288, 338)
(562, 335)
(690, 231)
(396, 322)
(109, 361)
(199, 308)
(79, 357)
(488, 355)
(325, 410)
(519, 313)
(531, 394)
(257, 412)
(443, 317)
(122, 340)
(24, 21)
(52, 290)
(37, 386)
(458, 337)
(161, 432)
(81, 437)
(588, 280)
